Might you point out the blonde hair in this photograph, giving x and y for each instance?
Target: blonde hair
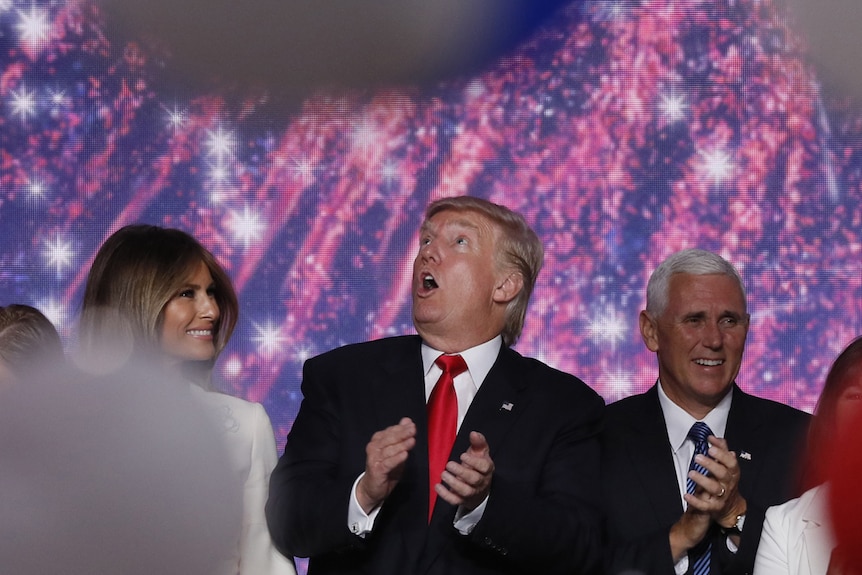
(518, 247)
(27, 338)
(136, 272)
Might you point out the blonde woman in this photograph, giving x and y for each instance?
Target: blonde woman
(157, 294)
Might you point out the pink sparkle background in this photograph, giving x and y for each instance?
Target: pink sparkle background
(622, 130)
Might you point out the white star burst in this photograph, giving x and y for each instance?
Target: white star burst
(302, 354)
(672, 107)
(619, 385)
(269, 338)
(177, 118)
(34, 27)
(303, 169)
(718, 165)
(246, 226)
(59, 254)
(220, 143)
(36, 189)
(607, 326)
(23, 103)
(57, 97)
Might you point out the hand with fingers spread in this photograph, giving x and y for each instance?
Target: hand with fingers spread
(468, 483)
(385, 456)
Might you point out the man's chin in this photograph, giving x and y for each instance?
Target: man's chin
(426, 325)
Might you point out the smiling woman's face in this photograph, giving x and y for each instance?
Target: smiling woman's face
(190, 319)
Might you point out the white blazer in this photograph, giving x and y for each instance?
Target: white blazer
(797, 537)
(250, 443)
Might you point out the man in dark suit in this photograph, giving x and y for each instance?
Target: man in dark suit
(665, 513)
(357, 490)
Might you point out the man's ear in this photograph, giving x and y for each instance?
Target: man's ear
(509, 287)
(649, 330)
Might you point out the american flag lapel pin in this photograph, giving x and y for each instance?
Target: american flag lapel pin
(745, 455)
(507, 406)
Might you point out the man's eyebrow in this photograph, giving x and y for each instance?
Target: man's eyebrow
(463, 224)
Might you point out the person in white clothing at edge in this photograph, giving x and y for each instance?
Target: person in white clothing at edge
(797, 536)
(164, 295)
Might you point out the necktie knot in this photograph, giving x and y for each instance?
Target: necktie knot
(453, 365)
(699, 432)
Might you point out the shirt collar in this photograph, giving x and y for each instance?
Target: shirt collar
(479, 359)
(679, 422)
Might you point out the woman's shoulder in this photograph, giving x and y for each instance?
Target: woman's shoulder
(811, 505)
(232, 413)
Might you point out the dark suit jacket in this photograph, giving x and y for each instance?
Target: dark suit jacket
(642, 498)
(542, 515)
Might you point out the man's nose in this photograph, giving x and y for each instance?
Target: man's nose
(713, 338)
(429, 252)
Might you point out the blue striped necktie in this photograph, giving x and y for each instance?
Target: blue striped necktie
(698, 434)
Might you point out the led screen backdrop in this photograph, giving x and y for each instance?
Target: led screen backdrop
(622, 130)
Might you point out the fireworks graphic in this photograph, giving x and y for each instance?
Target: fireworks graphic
(622, 130)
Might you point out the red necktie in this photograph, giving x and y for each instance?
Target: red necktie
(442, 420)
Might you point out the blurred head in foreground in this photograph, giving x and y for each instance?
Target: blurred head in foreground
(835, 452)
(28, 340)
(158, 293)
(839, 404)
(119, 473)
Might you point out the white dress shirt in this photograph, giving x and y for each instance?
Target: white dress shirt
(679, 422)
(479, 359)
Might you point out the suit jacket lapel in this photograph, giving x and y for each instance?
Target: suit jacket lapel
(651, 456)
(497, 405)
(743, 437)
(398, 390)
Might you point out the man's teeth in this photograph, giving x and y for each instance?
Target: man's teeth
(709, 362)
(428, 282)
